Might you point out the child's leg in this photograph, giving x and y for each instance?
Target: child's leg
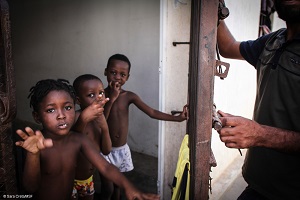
(121, 158)
(89, 197)
(117, 193)
(107, 188)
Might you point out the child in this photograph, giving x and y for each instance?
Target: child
(50, 163)
(90, 121)
(116, 112)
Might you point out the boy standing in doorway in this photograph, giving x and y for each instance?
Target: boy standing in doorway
(117, 113)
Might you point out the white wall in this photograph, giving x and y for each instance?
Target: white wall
(67, 38)
(235, 94)
(175, 19)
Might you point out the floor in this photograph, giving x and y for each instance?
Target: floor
(231, 183)
(144, 177)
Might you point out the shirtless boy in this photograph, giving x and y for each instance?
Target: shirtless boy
(52, 153)
(117, 112)
(90, 121)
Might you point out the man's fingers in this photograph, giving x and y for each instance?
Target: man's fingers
(230, 121)
(231, 145)
(223, 114)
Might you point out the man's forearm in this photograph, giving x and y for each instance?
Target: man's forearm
(280, 139)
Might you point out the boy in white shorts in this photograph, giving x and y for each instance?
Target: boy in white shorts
(117, 112)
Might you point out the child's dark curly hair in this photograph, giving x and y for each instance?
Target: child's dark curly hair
(119, 57)
(81, 79)
(43, 87)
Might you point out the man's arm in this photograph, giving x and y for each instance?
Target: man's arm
(228, 46)
(239, 132)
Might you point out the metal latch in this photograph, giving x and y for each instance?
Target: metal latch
(219, 69)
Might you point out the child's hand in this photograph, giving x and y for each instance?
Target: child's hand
(33, 141)
(184, 114)
(115, 90)
(136, 195)
(95, 109)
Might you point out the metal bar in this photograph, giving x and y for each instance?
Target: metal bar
(176, 43)
(201, 80)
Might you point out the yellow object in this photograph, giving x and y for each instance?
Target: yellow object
(181, 181)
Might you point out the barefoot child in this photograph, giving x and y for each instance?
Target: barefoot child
(117, 112)
(90, 121)
(52, 153)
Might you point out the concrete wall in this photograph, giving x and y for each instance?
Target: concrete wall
(235, 94)
(67, 38)
(175, 27)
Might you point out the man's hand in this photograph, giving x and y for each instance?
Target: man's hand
(33, 141)
(239, 132)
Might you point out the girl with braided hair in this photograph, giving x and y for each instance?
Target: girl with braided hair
(52, 153)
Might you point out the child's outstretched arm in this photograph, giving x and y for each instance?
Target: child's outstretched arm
(33, 143)
(112, 173)
(155, 114)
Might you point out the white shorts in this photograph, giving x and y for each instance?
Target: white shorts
(121, 158)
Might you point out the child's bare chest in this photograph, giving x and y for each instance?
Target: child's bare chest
(93, 131)
(121, 104)
(58, 161)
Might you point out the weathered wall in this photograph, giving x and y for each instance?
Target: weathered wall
(175, 19)
(64, 39)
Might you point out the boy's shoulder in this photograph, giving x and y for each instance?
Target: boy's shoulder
(75, 136)
(128, 92)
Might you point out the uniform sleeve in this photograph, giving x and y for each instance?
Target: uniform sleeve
(252, 49)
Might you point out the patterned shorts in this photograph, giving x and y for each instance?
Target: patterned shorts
(83, 187)
(121, 158)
